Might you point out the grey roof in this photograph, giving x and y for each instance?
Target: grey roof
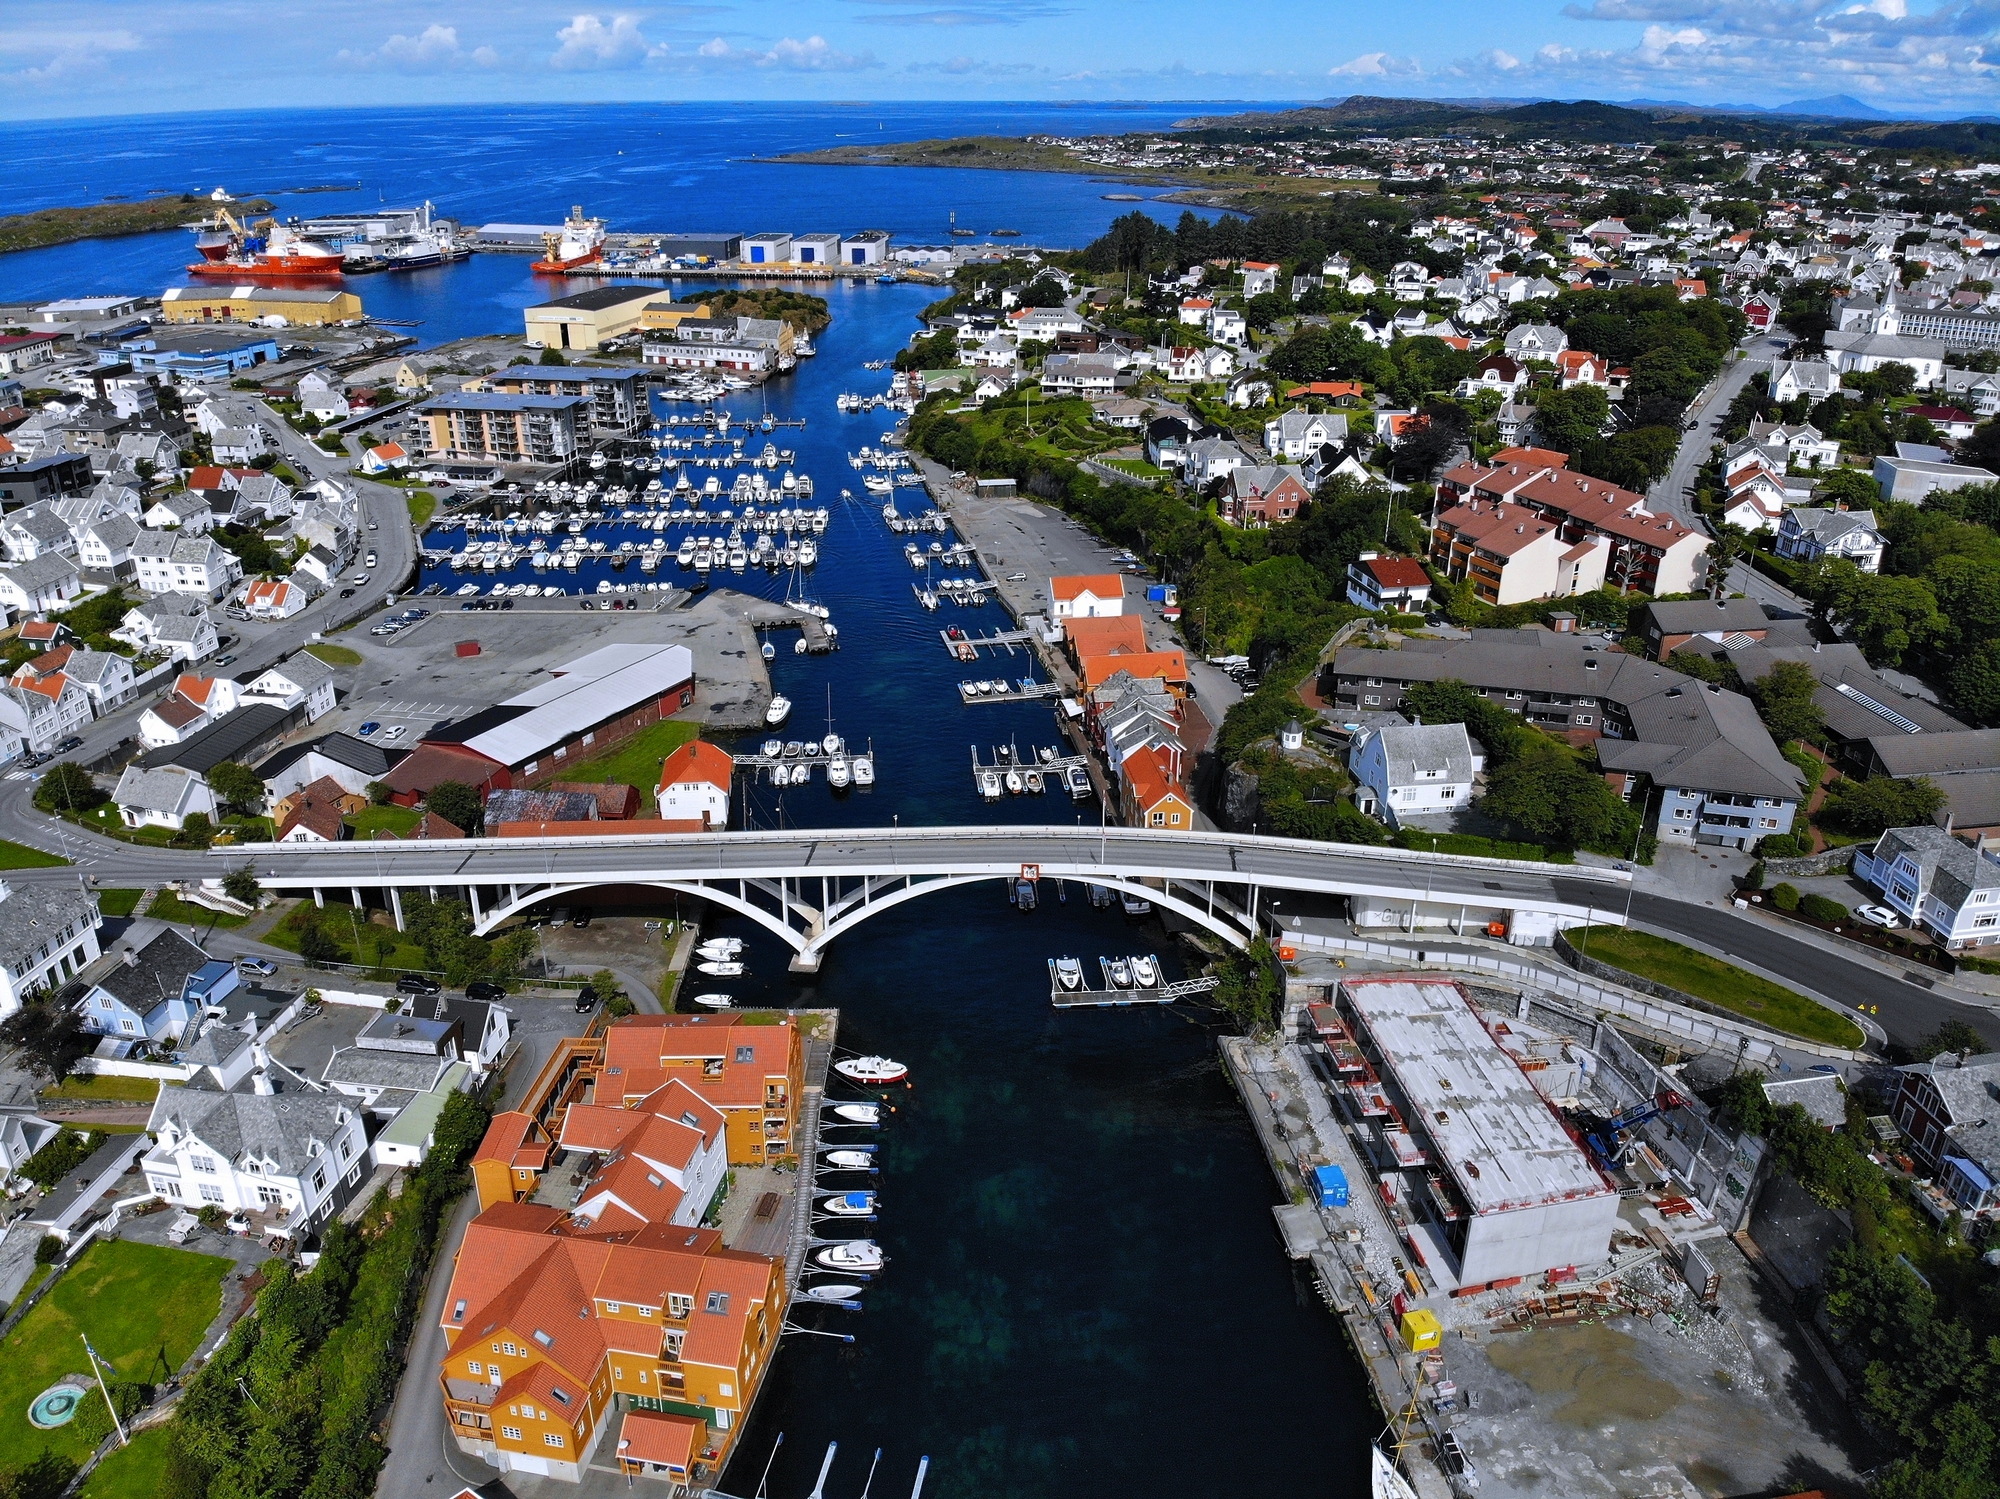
(50, 567)
(1948, 753)
(181, 502)
(90, 666)
(364, 1068)
(1848, 684)
(1684, 733)
(1822, 1097)
(217, 1044)
(32, 915)
(304, 671)
(500, 400)
(45, 527)
(1969, 1087)
(1699, 616)
(1951, 869)
(115, 531)
(279, 1127)
(1828, 526)
(372, 760)
(1421, 747)
(155, 544)
(159, 971)
(164, 789)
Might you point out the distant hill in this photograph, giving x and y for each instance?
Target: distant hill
(1837, 107)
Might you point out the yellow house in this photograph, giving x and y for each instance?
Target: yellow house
(587, 318)
(666, 316)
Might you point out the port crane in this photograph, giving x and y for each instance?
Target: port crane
(1609, 1142)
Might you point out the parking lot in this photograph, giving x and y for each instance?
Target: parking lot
(415, 679)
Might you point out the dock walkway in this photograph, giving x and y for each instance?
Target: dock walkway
(819, 1057)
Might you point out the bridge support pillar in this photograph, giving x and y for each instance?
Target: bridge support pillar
(396, 907)
(319, 897)
(472, 892)
(359, 904)
(805, 962)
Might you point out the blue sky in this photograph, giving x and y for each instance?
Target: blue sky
(93, 57)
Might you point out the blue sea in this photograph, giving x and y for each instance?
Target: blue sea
(1086, 1294)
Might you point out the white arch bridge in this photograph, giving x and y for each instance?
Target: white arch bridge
(809, 887)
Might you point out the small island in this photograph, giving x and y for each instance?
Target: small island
(60, 226)
(806, 313)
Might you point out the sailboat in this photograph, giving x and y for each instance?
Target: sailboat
(1384, 1481)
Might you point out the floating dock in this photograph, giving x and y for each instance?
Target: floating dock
(967, 647)
(1054, 772)
(1025, 690)
(1115, 997)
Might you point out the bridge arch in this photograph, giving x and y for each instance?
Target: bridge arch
(771, 921)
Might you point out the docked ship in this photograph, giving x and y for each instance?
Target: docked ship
(398, 239)
(263, 251)
(581, 243)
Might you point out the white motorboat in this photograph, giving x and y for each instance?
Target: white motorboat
(850, 1204)
(832, 744)
(838, 773)
(1119, 972)
(989, 785)
(872, 1070)
(859, 1113)
(1032, 779)
(778, 712)
(1145, 973)
(721, 970)
(1069, 973)
(780, 776)
(720, 947)
(849, 1160)
(861, 1255)
(773, 748)
(768, 651)
(1014, 783)
(833, 1293)
(714, 1001)
(864, 770)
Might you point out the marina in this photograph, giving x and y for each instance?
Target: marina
(963, 647)
(1013, 772)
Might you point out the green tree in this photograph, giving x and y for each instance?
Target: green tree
(49, 1036)
(1854, 487)
(1499, 732)
(1785, 699)
(1974, 680)
(1866, 808)
(240, 884)
(1551, 796)
(457, 803)
(552, 356)
(1567, 419)
(238, 785)
(1952, 1035)
(197, 831)
(67, 787)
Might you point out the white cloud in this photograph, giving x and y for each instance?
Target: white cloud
(1378, 65)
(787, 54)
(431, 50)
(50, 56)
(589, 43)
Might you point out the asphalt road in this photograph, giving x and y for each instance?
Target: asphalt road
(1674, 495)
(1908, 1011)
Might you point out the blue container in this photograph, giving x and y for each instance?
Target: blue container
(1331, 1184)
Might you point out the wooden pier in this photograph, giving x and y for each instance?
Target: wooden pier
(968, 647)
(1053, 772)
(1022, 691)
(1111, 997)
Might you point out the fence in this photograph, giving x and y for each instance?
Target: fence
(1115, 475)
(1661, 1019)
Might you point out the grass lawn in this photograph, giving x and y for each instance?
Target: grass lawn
(343, 932)
(126, 1089)
(1721, 984)
(1138, 468)
(1471, 845)
(20, 856)
(334, 655)
(167, 906)
(423, 505)
(397, 820)
(144, 1308)
(118, 902)
(636, 762)
(132, 1471)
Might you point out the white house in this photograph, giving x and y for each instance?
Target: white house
(48, 934)
(240, 445)
(36, 587)
(36, 531)
(268, 599)
(1535, 341)
(105, 546)
(179, 509)
(105, 677)
(1259, 276)
(1295, 434)
(170, 562)
(1805, 445)
(299, 678)
(1087, 596)
(176, 624)
(1791, 378)
(296, 1154)
(54, 708)
(694, 785)
(162, 798)
(1805, 535)
(1418, 771)
(1934, 879)
(1226, 326)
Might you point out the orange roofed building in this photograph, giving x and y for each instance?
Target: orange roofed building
(619, 1310)
(753, 1074)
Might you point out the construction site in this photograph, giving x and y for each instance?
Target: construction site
(1530, 1232)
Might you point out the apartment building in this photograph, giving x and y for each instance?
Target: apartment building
(1641, 550)
(503, 427)
(1720, 778)
(617, 395)
(753, 1074)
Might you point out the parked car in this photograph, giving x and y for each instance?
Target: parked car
(416, 983)
(347, 593)
(262, 967)
(586, 1000)
(72, 742)
(394, 731)
(582, 917)
(371, 560)
(1880, 916)
(224, 660)
(369, 727)
(484, 991)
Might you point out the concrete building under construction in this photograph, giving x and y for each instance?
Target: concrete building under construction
(1480, 1151)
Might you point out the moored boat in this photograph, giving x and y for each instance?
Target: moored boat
(871, 1069)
